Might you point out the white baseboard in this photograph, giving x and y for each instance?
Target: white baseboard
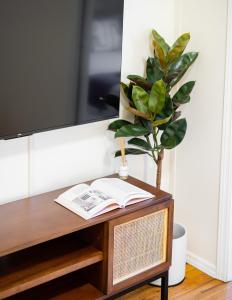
(201, 264)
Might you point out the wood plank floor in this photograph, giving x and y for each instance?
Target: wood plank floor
(197, 286)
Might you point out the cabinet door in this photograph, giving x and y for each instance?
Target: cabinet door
(139, 246)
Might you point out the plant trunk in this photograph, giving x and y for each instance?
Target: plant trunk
(159, 169)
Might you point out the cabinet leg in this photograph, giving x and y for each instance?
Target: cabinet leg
(164, 286)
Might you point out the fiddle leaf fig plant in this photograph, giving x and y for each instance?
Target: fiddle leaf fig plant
(156, 109)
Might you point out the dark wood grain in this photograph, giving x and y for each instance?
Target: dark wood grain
(70, 286)
(85, 292)
(43, 263)
(38, 219)
(98, 237)
(170, 232)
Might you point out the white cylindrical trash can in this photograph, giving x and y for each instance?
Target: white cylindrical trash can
(179, 256)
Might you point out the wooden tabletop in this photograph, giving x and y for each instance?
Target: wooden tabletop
(37, 219)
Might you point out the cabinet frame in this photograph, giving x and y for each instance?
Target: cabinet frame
(39, 221)
(136, 279)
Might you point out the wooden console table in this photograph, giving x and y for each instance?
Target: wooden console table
(48, 252)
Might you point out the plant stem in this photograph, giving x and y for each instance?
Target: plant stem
(159, 160)
(156, 146)
(155, 138)
(152, 151)
(159, 168)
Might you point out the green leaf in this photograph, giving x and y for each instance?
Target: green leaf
(167, 109)
(178, 48)
(130, 89)
(174, 134)
(140, 98)
(127, 89)
(146, 123)
(140, 143)
(161, 41)
(161, 48)
(179, 67)
(157, 97)
(124, 87)
(154, 71)
(131, 151)
(114, 126)
(183, 94)
(161, 121)
(166, 112)
(140, 81)
(131, 130)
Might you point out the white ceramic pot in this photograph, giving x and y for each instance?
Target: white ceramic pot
(179, 256)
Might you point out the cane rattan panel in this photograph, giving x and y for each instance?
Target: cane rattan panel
(139, 245)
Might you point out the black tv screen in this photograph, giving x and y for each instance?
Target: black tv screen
(60, 63)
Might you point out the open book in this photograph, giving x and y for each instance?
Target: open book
(101, 196)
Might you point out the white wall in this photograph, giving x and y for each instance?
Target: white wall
(13, 169)
(59, 158)
(198, 158)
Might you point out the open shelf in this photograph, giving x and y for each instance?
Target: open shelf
(68, 287)
(86, 291)
(40, 264)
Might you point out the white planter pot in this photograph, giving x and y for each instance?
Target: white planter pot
(179, 256)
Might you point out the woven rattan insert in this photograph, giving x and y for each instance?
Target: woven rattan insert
(139, 245)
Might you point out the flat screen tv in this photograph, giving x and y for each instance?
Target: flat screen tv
(60, 63)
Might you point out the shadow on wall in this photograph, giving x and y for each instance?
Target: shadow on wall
(54, 138)
(73, 134)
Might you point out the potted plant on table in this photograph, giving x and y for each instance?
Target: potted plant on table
(156, 109)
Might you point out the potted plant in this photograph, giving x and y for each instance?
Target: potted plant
(157, 124)
(156, 109)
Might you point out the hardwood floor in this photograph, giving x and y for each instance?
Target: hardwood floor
(197, 286)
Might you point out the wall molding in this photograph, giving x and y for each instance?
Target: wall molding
(201, 264)
(224, 251)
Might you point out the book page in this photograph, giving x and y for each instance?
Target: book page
(92, 201)
(120, 190)
(101, 196)
(72, 193)
(86, 201)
